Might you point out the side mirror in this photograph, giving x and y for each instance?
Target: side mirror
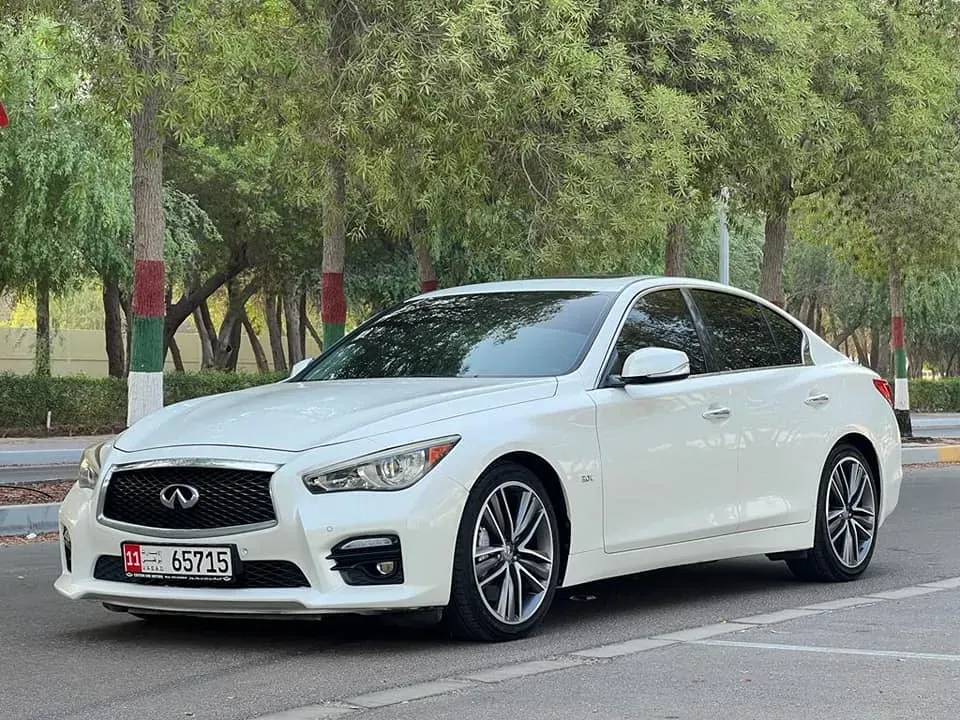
(655, 364)
(298, 367)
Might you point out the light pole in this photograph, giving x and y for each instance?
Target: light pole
(724, 237)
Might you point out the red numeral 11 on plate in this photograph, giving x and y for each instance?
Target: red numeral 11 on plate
(131, 558)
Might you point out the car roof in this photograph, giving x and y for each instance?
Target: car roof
(609, 284)
(573, 284)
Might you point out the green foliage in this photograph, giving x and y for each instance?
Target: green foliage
(84, 405)
(935, 395)
(64, 163)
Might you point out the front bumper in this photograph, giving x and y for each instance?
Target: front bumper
(424, 517)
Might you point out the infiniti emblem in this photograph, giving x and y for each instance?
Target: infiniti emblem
(181, 497)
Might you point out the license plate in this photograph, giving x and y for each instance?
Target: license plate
(178, 561)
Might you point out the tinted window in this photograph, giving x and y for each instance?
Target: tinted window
(660, 319)
(740, 335)
(520, 334)
(789, 338)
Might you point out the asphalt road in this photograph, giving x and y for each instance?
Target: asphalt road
(67, 660)
(945, 425)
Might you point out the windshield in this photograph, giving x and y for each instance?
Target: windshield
(510, 334)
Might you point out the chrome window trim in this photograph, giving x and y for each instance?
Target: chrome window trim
(186, 462)
(807, 357)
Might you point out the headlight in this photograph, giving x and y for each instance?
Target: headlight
(90, 463)
(391, 470)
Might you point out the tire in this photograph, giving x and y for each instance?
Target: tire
(835, 560)
(495, 614)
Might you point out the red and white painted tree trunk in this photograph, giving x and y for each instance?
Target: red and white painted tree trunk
(145, 382)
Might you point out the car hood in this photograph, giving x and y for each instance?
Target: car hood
(293, 417)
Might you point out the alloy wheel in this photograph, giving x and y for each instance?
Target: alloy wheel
(513, 552)
(851, 512)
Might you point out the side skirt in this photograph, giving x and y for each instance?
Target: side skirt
(598, 565)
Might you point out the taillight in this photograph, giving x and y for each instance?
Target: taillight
(883, 387)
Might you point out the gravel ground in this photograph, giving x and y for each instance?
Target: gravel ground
(31, 538)
(35, 493)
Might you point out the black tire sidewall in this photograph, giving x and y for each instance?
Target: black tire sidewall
(822, 543)
(465, 595)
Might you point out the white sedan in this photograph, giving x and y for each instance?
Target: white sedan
(476, 448)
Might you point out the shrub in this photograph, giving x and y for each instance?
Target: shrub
(935, 395)
(81, 405)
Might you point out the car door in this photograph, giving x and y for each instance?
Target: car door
(668, 449)
(775, 397)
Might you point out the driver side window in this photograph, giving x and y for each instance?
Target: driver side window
(660, 319)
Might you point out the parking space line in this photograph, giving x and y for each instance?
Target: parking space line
(948, 584)
(522, 669)
(898, 654)
(903, 593)
(777, 617)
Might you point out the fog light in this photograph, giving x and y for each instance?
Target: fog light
(386, 568)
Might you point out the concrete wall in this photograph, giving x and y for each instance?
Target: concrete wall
(76, 352)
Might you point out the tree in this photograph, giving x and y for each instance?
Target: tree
(63, 167)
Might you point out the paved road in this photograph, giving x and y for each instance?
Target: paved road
(945, 425)
(62, 660)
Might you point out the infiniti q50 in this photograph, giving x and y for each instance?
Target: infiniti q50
(474, 449)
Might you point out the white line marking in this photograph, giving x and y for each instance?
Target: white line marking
(311, 712)
(830, 650)
(705, 631)
(629, 647)
(902, 593)
(777, 617)
(523, 669)
(948, 584)
(842, 603)
(407, 693)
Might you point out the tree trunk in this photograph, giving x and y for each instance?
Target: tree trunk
(901, 401)
(175, 354)
(303, 323)
(862, 357)
(42, 346)
(291, 311)
(145, 383)
(127, 306)
(313, 333)
(775, 243)
(333, 303)
(675, 254)
(206, 344)
(113, 326)
(426, 272)
(272, 311)
(227, 349)
(262, 365)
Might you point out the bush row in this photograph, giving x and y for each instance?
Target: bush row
(80, 405)
(935, 395)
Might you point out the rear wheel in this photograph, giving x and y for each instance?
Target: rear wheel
(846, 521)
(506, 560)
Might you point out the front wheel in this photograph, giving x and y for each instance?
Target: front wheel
(506, 560)
(846, 521)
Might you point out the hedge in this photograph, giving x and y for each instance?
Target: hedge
(935, 395)
(81, 405)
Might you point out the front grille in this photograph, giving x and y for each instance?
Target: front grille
(228, 497)
(250, 574)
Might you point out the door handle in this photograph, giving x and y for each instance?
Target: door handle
(717, 414)
(817, 400)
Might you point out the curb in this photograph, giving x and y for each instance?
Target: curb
(930, 454)
(23, 519)
(32, 474)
